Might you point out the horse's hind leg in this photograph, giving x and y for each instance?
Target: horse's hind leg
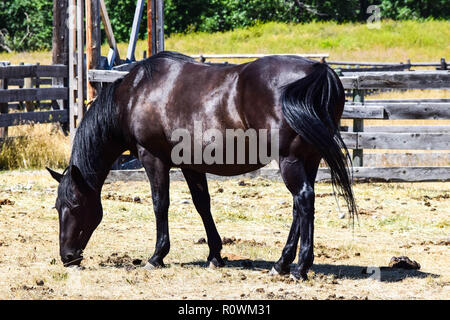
(198, 186)
(158, 174)
(299, 176)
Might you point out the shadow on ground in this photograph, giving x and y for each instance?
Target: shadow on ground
(383, 274)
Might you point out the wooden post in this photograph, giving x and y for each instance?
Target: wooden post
(93, 43)
(358, 126)
(443, 65)
(60, 43)
(109, 34)
(37, 85)
(28, 84)
(4, 106)
(60, 48)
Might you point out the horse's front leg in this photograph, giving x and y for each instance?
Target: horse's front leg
(158, 173)
(299, 176)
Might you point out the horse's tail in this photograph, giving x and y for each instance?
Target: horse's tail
(309, 106)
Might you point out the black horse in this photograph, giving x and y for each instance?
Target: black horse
(299, 98)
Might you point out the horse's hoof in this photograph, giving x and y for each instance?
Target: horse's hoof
(216, 263)
(273, 272)
(149, 266)
(294, 277)
(297, 276)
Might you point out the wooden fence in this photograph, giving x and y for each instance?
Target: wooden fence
(45, 85)
(340, 66)
(32, 87)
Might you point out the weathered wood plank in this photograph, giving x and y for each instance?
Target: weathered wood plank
(423, 111)
(418, 101)
(349, 82)
(413, 141)
(406, 159)
(399, 80)
(402, 111)
(398, 129)
(363, 112)
(105, 75)
(58, 71)
(350, 139)
(43, 105)
(20, 82)
(11, 95)
(19, 118)
(413, 174)
(365, 63)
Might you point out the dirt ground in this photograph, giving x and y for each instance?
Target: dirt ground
(397, 219)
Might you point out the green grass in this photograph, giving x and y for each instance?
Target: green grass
(394, 41)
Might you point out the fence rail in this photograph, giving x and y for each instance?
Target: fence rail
(31, 77)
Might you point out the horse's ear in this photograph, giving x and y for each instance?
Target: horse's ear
(78, 179)
(57, 176)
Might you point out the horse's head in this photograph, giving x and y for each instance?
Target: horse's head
(80, 212)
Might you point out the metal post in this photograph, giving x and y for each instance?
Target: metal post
(80, 61)
(160, 21)
(72, 63)
(135, 30)
(358, 126)
(149, 27)
(153, 30)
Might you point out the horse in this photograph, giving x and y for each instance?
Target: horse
(300, 99)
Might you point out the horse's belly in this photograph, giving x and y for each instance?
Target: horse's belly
(224, 169)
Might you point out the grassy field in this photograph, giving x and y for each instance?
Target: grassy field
(395, 41)
(396, 219)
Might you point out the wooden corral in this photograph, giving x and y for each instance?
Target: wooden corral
(76, 77)
(26, 81)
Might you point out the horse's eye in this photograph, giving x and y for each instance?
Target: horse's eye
(75, 210)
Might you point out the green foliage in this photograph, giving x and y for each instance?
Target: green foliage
(27, 24)
(121, 14)
(415, 9)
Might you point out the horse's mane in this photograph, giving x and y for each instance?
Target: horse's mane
(150, 63)
(98, 127)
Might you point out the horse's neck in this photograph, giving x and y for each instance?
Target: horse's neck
(94, 157)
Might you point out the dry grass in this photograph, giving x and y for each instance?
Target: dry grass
(35, 146)
(396, 219)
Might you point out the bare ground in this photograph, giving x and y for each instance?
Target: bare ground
(397, 219)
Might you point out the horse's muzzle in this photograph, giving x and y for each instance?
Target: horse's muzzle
(72, 258)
